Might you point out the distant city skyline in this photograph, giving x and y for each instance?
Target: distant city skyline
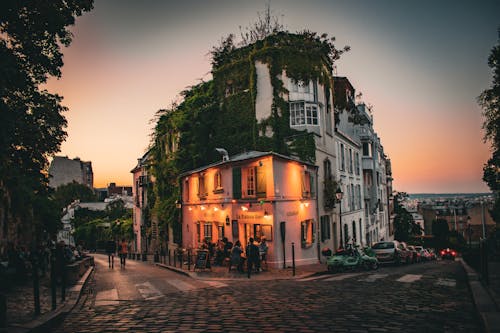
(421, 65)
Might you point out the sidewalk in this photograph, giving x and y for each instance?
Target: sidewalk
(486, 298)
(20, 305)
(223, 273)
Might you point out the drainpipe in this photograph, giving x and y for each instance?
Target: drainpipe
(317, 219)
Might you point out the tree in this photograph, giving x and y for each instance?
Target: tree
(441, 233)
(67, 193)
(489, 100)
(404, 225)
(31, 36)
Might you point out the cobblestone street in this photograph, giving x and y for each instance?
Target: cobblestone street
(431, 297)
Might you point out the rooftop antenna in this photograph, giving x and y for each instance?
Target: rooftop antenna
(223, 152)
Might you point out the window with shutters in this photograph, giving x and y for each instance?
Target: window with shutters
(307, 233)
(218, 182)
(251, 182)
(325, 227)
(202, 190)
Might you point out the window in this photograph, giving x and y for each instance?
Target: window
(250, 182)
(325, 227)
(327, 166)
(202, 193)
(207, 231)
(302, 113)
(218, 183)
(306, 184)
(307, 233)
(342, 157)
(220, 231)
(198, 232)
(346, 234)
(366, 149)
(350, 160)
(353, 232)
(356, 163)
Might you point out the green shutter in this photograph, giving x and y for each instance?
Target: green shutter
(237, 183)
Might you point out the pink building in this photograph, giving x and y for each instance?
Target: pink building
(254, 194)
(141, 180)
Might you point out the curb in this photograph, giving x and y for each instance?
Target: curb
(195, 276)
(485, 305)
(43, 323)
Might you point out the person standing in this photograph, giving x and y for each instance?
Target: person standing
(110, 250)
(123, 252)
(263, 251)
(252, 252)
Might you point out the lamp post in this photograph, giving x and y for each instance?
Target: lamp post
(338, 196)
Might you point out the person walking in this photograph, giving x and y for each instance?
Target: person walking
(252, 252)
(235, 259)
(110, 250)
(123, 252)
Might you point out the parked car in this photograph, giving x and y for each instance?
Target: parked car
(414, 254)
(409, 254)
(350, 259)
(391, 252)
(448, 254)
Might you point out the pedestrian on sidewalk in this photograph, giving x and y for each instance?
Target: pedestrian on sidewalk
(263, 248)
(236, 259)
(252, 252)
(123, 252)
(110, 250)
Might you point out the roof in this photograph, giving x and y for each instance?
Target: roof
(250, 155)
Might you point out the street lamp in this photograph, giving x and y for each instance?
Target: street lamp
(338, 196)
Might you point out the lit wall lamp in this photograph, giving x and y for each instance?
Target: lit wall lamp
(244, 208)
(202, 207)
(216, 209)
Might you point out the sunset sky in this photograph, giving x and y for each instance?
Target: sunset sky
(421, 64)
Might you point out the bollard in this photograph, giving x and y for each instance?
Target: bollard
(175, 260)
(189, 259)
(293, 259)
(156, 257)
(169, 262)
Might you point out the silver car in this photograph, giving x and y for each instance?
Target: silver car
(391, 252)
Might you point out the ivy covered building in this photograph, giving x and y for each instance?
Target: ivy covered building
(275, 95)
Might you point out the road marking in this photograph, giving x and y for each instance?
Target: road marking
(215, 284)
(409, 278)
(374, 277)
(181, 285)
(315, 277)
(148, 291)
(342, 277)
(446, 282)
(107, 297)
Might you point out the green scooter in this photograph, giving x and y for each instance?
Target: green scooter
(351, 258)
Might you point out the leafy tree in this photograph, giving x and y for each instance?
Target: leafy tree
(31, 36)
(68, 193)
(404, 225)
(489, 100)
(441, 233)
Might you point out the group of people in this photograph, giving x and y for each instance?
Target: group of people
(121, 248)
(254, 255)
